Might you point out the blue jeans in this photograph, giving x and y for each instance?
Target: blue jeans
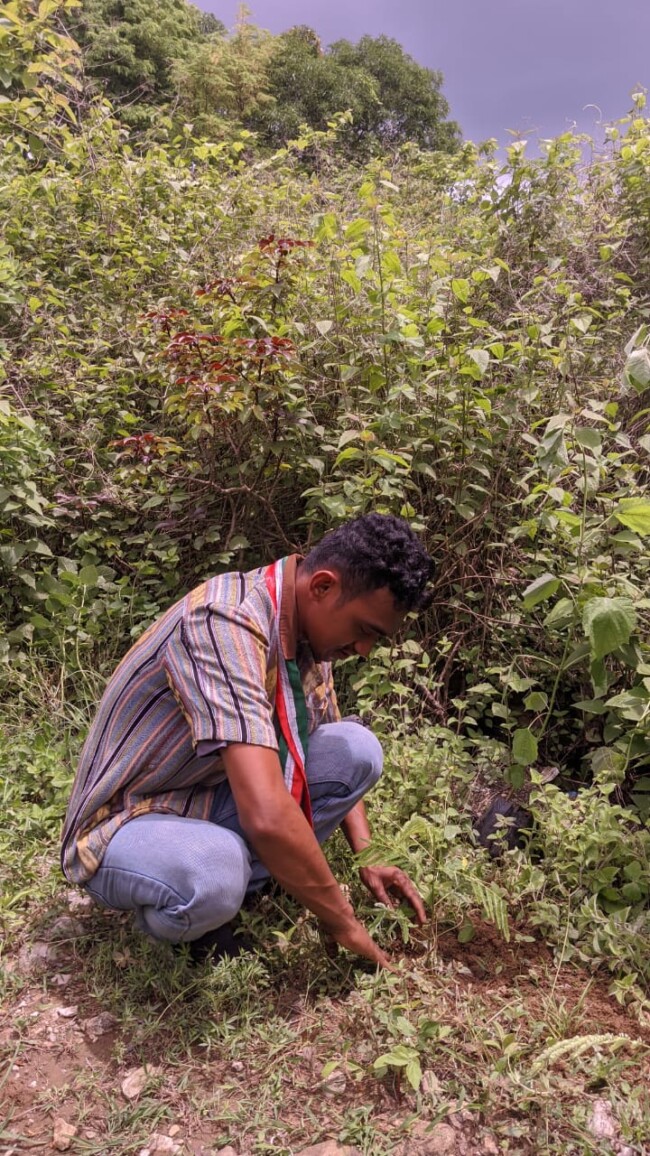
(183, 877)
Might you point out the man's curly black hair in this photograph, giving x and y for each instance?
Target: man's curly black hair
(377, 550)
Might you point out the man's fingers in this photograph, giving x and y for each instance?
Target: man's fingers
(412, 896)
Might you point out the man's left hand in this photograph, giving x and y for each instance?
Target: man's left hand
(385, 883)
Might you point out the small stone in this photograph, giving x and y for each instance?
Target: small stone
(63, 1135)
(431, 1085)
(440, 1140)
(160, 1144)
(77, 902)
(65, 927)
(135, 1080)
(602, 1124)
(60, 980)
(334, 1084)
(67, 1013)
(99, 1025)
(90, 1133)
(227, 1151)
(330, 1148)
(489, 1146)
(237, 1066)
(37, 954)
(174, 1130)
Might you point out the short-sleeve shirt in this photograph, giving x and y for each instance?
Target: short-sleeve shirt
(204, 675)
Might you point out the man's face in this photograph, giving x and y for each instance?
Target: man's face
(337, 627)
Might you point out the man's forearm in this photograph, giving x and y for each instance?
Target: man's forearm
(355, 828)
(280, 834)
(293, 856)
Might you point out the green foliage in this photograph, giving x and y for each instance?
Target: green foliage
(131, 48)
(409, 105)
(224, 81)
(38, 72)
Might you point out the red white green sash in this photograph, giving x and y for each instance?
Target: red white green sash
(290, 707)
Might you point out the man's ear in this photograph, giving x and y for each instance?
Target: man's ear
(322, 583)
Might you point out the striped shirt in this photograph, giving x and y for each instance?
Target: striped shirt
(204, 675)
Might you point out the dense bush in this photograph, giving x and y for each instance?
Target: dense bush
(209, 357)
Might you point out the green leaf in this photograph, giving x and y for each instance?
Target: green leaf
(413, 1071)
(608, 624)
(481, 358)
(637, 369)
(348, 435)
(560, 615)
(542, 588)
(536, 701)
(590, 438)
(88, 576)
(634, 513)
(466, 933)
(460, 288)
(356, 230)
(524, 746)
(590, 706)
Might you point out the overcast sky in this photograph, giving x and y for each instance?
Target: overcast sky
(527, 65)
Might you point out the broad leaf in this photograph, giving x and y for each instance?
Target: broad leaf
(542, 588)
(608, 624)
(635, 514)
(524, 746)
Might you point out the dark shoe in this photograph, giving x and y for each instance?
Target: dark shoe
(222, 943)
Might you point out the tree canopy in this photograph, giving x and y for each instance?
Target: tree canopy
(178, 56)
(131, 46)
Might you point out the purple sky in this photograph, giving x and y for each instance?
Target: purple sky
(528, 65)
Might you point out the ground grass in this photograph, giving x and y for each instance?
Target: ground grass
(511, 1018)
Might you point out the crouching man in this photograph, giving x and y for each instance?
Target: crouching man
(218, 757)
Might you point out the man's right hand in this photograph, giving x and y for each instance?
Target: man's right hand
(278, 831)
(353, 936)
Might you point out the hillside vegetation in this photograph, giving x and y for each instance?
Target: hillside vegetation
(211, 352)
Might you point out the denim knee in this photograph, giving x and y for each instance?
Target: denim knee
(366, 755)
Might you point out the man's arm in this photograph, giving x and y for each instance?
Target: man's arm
(379, 880)
(280, 834)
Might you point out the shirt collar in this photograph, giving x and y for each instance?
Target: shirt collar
(289, 608)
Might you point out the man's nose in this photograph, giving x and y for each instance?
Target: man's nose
(363, 648)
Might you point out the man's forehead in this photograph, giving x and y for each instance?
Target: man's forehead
(379, 611)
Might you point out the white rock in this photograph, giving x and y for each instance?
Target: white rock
(330, 1148)
(63, 1135)
(135, 1080)
(602, 1124)
(60, 980)
(67, 1013)
(237, 1066)
(174, 1130)
(159, 1143)
(227, 1151)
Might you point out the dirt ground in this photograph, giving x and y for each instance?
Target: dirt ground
(67, 1056)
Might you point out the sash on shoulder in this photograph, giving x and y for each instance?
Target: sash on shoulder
(290, 708)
